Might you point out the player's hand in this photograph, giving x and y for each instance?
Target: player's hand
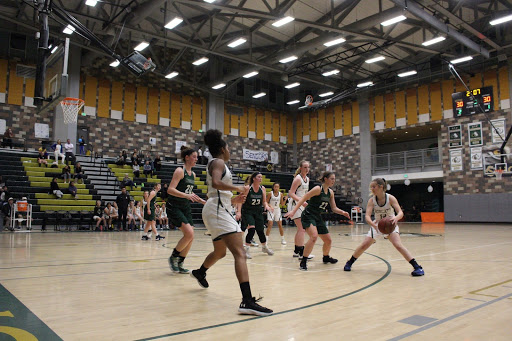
(305, 204)
(394, 220)
(238, 216)
(270, 209)
(239, 199)
(243, 190)
(289, 214)
(345, 213)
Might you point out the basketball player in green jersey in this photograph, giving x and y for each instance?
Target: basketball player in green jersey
(319, 198)
(149, 214)
(181, 193)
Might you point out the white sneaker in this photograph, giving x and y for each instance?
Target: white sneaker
(247, 253)
(283, 242)
(267, 250)
(309, 257)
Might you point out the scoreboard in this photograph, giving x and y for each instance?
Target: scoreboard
(466, 103)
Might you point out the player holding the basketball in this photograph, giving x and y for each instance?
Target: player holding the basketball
(383, 205)
(300, 186)
(275, 199)
(224, 229)
(319, 198)
(181, 193)
(149, 214)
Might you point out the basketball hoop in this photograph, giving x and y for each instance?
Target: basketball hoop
(309, 100)
(70, 108)
(498, 173)
(147, 64)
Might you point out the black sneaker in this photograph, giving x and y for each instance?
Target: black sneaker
(303, 266)
(347, 267)
(329, 260)
(201, 279)
(250, 307)
(158, 237)
(145, 237)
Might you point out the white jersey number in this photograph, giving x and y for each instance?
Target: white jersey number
(323, 206)
(256, 202)
(190, 189)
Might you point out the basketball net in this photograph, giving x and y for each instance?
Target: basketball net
(309, 100)
(70, 108)
(498, 173)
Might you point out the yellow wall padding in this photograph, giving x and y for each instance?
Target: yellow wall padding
(436, 110)
(260, 124)
(117, 96)
(186, 108)
(165, 100)
(15, 93)
(142, 100)
(153, 105)
(400, 104)
(91, 89)
(412, 107)
(175, 110)
(129, 103)
(196, 113)
(104, 98)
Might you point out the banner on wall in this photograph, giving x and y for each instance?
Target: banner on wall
(274, 157)
(456, 160)
(455, 136)
(3, 126)
(179, 144)
(475, 134)
(41, 131)
(476, 158)
(255, 155)
(498, 132)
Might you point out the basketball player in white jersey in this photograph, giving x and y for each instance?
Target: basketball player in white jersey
(384, 205)
(275, 200)
(300, 186)
(225, 231)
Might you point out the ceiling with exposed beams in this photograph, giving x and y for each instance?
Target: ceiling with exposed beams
(209, 26)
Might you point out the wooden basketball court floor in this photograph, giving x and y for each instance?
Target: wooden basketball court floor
(113, 286)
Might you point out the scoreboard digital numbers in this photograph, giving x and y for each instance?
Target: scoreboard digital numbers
(466, 103)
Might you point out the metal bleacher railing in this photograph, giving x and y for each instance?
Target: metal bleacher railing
(411, 159)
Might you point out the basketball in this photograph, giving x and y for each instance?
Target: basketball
(386, 225)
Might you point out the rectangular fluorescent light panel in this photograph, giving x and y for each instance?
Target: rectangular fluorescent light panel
(376, 59)
(335, 42)
(393, 20)
(209, 1)
(251, 74)
(237, 42)
(325, 94)
(173, 23)
(141, 46)
(69, 30)
(261, 94)
(460, 60)
(172, 75)
(362, 85)
(330, 73)
(283, 21)
(433, 41)
(293, 102)
(218, 86)
(288, 59)
(501, 20)
(200, 61)
(91, 3)
(55, 49)
(408, 73)
(115, 63)
(293, 85)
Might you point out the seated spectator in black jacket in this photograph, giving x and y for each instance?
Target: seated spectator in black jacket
(135, 157)
(5, 213)
(148, 170)
(120, 160)
(66, 174)
(163, 192)
(127, 182)
(54, 188)
(73, 190)
(79, 173)
(41, 158)
(157, 163)
(5, 194)
(125, 155)
(136, 169)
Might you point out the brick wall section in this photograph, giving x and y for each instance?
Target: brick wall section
(342, 152)
(472, 181)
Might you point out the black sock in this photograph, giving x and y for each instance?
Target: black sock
(352, 260)
(181, 259)
(245, 287)
(175, 253)
(297, 248)
(203, 270)
(413, 263)
(304, 261)
(301, 250)
(326, 258)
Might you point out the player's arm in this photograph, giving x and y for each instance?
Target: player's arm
(315, 191)
(398, 210)
(265, 202)
(177, 176)
(295, 184)
(283, 199)
(238, 213)
(334, 208)
(151, 195)
(368, 216)
(216, 170)
(199, 199)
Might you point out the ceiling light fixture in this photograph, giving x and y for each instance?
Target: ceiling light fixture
(173, 23)
(91, 3)
(172, 75)
(251, 74)
(362, 85)
(376, 59)
(293, 85)
(237, 42)
(408, 73)
(115, 63)
(460, 60)
(334, 42)
(218, 86)
(393, 20)
(68, 30)
(54, 49)
(433, 41)
(141, 46)
(209, 1)
(200, 61)
(283, 21)
(288, 59)
(261, 94)
(501, 20)
(330, 73)
(325, 94)
(295, 101)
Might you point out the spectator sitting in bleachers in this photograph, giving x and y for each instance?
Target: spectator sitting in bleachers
(5, 213)
(130, 216)
(120, 160)
(138, 214)
(98, 215)
(136, 169)
(163, 192)
(79, 173)
(5, 194)
(148, 170)
(157, 163)
(8, 135)
(107, 217)
(66, 174)
(73, 190)
(127, 182)
(58, 151)
(135, 157)
(114, 213)
(68, 151)
(54, 188)
(41, 158)
(125, 155)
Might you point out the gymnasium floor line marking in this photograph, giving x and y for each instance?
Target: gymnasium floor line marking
(474, 299)
(280, 312)
(476, 292)
(72, 264)
(449, 318)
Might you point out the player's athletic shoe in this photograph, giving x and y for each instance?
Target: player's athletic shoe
(347, 267)
(267, 250)
(173, 264)
(158, 237)
(329, 260)
(247, 252)
(418, 272)
(303, 266)
(250, 307)
(309, 257)
(283, 242)
(201, 279)
(145, 238)
(182, 270)
(253, 243)
(296, 254)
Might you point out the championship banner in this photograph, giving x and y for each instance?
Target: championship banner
(255, 155)
(455, 136)
(456, 160)
(476, 158)
(475, 134)
(499, 134)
